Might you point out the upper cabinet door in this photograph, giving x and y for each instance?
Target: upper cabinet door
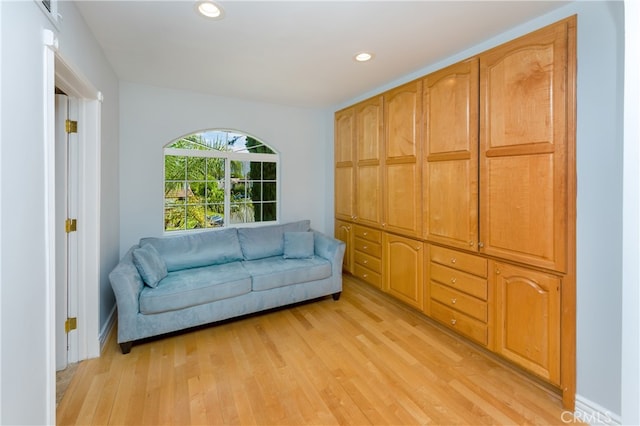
(344, 152)
(369, 162)
(526, 93)
(402, 171)
(450, 164)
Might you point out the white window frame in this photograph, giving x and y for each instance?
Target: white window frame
(228, 157)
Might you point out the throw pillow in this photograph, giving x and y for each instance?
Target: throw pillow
(149, 264)
(298, 245)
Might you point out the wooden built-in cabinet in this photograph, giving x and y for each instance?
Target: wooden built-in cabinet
(344, 232)
(401, 191)
(367, 255)
(404, 260)
(524, 127)
(344, 154)
(450, 163)
(369, 162)
(459, 293)
(528, 314)
(468, 193)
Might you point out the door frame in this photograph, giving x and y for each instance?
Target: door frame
(59, 72)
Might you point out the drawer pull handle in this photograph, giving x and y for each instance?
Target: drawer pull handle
(454, 300)
(453, 280)
(453, 260)
(453, 322)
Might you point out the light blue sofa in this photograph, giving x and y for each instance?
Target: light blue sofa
(172, 283)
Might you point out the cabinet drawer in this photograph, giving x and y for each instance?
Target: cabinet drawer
(367, 275)
(459, 301)
(467, 283)
(368, 261)
(456, 259)
(367, 234)
(368, 247)
(467, 326)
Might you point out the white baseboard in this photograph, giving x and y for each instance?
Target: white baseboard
(107, 328)
(593, 414)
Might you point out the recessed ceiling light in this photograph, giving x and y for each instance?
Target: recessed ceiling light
(209, 9)
(363, 57)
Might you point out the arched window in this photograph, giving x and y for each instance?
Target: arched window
(219, 178)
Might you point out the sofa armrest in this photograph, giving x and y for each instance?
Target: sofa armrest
(330, 249)
(127, 285)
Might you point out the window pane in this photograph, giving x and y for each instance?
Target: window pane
(269, 211)
(239, 168)
(238, 191)
(215, 169)
(241, 213)
(196, 168)
(269, 171)
(195, 217)
(174, 218)
(269, 191)
(214, 193)
(174, 167)
(197, 192)
(174, 193)
(255, 170)
(215, 215)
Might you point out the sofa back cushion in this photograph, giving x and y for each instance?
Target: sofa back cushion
(198, 249)
(150, 264)
(267, 241)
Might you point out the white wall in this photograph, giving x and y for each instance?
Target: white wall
(599, 200)
(151, 117)
(25, 374)
(631, 219)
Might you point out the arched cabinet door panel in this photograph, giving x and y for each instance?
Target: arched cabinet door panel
(404, 260)
(528, 318)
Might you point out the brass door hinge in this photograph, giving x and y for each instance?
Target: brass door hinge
(70, 225)
(70, 324)
(71, 126)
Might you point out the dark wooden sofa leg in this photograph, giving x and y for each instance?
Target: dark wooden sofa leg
(125, 347)
(336, 296)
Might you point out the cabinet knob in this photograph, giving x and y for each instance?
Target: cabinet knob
(480, 245)
(365, 261)
(453, 322)
(365, 247)
(471, 244)
(453, 280)
(454, 300)
(384, 225)
(453, 260)
(418, 247)
(365, 275)
(365, 233)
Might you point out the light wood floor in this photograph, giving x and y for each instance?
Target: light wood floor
(364, 359)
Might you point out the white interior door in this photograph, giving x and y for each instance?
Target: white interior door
(66, 202)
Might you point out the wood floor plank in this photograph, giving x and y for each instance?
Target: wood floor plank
(365, 359)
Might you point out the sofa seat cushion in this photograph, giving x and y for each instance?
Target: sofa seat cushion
(277, 271)
(197, 286)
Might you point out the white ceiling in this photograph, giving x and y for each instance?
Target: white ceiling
(292, 52)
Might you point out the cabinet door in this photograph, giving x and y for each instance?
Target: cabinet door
(402, 176)
(344, 233)
(368, 167)
(525, 104)
(344, 164)
(450, 165)
(528, 318)
(404, 260)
